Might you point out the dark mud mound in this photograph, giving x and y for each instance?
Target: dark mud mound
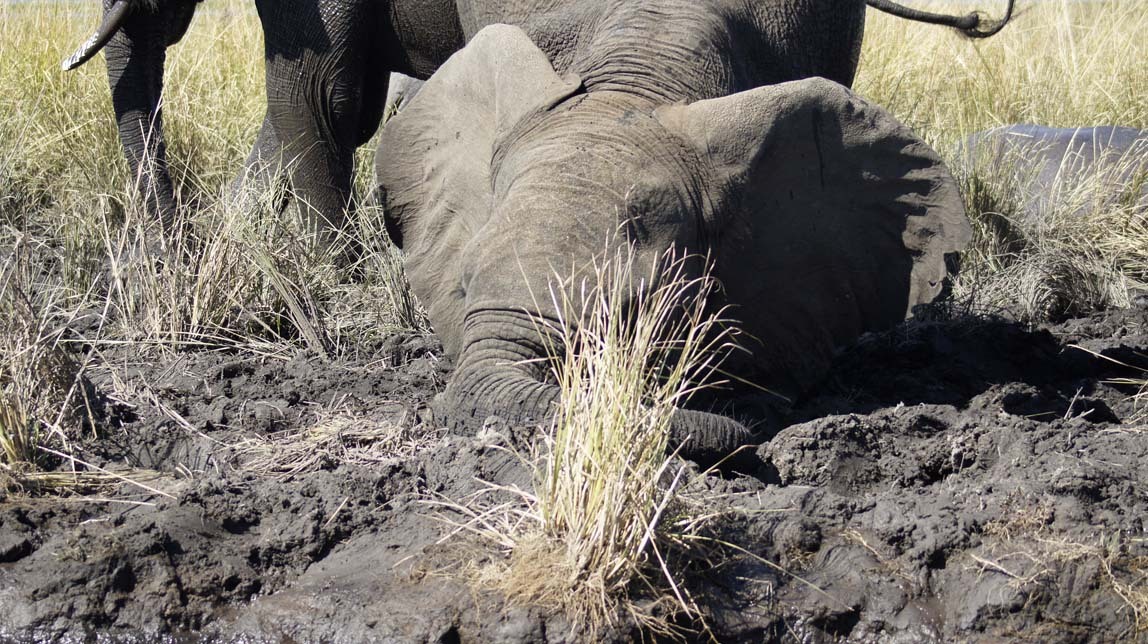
(969, 480)
(964, 480)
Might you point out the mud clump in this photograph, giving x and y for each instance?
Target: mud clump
(968, 480)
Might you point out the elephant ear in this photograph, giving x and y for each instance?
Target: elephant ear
(831, 217)
(434, 159)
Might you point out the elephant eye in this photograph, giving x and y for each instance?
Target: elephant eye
(654, 202)
(646, 207)
(641, 199)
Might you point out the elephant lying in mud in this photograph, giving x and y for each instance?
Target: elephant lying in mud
(327, 62)
(1055, 168)
(824, 216)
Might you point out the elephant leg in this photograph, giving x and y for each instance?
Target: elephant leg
(320, 169)
(325, 91)
(262, 179)
(135, 60)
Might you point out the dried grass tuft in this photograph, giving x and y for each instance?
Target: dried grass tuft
(607, 534)
(45, 401)
(1029, 550)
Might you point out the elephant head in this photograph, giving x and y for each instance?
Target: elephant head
(824, 216)
(135, 35)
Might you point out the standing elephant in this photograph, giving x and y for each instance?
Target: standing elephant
(679, 125)
(1050, 166)
(326, 64)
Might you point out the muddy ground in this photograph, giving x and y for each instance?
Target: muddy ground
(955, 480)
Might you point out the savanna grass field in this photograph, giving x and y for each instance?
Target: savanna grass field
(225, 436)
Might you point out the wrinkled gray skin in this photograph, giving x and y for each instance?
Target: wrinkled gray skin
(326, 62)
(400, 90)
(1050, 164)
(672, 122)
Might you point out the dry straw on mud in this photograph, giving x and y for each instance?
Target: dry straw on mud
(1137, 382)
(335, 438)
(605, 524)
(1031, 551)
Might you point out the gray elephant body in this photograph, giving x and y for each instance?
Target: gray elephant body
(326, 64)
(1081, 168)
(516, 164)
(400, 90)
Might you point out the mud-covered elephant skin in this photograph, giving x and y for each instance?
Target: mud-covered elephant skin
(1055, 168)
(326, 64)
(824, 216)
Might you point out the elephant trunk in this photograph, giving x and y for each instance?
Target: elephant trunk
(705, 437)
(500, 373)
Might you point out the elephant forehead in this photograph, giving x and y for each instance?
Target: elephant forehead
(574, 207)
(528, 272)
(663, 50)
(603, 157)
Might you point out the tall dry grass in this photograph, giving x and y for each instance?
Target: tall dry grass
(46, 402)
(1060, 63)
(236, 276)
(606, 524)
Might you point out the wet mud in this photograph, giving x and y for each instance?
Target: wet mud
(954, 480)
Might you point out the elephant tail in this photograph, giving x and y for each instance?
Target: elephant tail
(973, 25)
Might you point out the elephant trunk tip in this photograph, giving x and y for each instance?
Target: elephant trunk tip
(972, 25)
(979, 26)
